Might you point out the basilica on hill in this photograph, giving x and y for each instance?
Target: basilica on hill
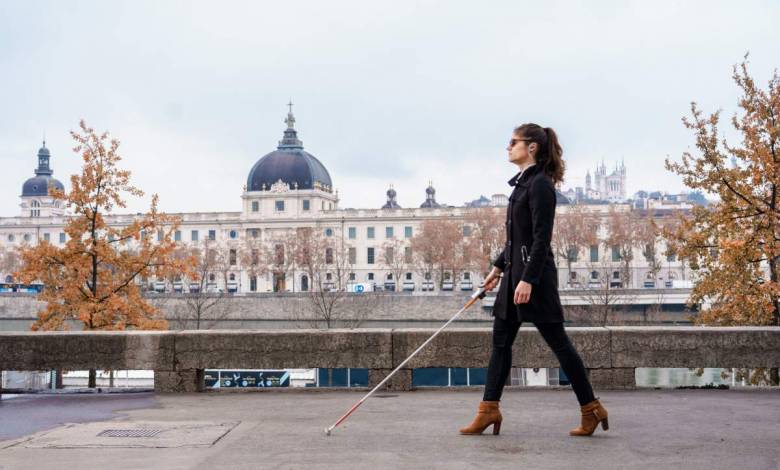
(285, 189)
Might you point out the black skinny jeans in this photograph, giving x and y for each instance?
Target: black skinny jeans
(504, 333)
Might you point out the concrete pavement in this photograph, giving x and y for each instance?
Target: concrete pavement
(686, 429)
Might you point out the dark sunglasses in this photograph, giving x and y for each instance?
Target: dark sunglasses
(515, 140)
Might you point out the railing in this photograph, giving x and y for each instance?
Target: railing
(179, 358)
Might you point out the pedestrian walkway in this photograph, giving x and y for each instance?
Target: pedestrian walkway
(683, 429)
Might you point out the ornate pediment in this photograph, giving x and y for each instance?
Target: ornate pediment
(280, 187)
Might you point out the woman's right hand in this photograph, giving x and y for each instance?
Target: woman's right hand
(492, 279)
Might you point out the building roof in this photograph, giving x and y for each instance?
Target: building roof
(290, 164)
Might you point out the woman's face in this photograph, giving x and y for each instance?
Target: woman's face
(521, 150)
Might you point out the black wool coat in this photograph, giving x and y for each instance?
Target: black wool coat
(527, 254)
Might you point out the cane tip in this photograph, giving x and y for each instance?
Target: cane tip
(327, 432)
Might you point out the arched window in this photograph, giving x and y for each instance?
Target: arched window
(594, 275)
(36, 208)
(304, 283)
(9, 279)
(232, 277)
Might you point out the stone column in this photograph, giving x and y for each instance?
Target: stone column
(614, 378)
(401, 381)
(186, 380)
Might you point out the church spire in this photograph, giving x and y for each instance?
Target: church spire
(290, 139)
(43, 161)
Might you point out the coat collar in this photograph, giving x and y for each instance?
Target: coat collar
(523, 175)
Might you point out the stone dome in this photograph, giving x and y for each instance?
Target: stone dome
(38, 185)
(290, 164)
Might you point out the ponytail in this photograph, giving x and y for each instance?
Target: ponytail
(550, 154)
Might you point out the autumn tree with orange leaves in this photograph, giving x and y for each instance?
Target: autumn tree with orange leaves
(94, 277)
(733, 245)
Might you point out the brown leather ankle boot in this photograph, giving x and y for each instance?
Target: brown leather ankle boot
(592, 414)
(487, 414)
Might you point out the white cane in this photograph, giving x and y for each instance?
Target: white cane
(477, 295)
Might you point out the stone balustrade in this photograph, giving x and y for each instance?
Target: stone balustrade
(179, 358)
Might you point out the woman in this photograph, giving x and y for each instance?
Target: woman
(528, 291)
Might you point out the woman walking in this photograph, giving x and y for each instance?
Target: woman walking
(528, 289)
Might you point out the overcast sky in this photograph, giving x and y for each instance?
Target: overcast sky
(385, 92)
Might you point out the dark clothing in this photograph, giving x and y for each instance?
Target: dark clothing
(504, 333)
(527, 254)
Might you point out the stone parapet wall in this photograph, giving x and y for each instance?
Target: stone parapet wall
(178, 358)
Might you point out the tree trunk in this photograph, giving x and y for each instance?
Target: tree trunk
(91, 383)
(111, 379)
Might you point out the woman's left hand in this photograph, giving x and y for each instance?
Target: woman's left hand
(523, 292)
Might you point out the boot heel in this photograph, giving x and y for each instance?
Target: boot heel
(604, 424)
(496, 428)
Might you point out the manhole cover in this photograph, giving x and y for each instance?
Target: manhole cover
(130, 433)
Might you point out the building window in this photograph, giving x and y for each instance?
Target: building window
(572, 254)
(352, 255)
(11, 237)
(160, 235)
(26, 237)
(370, 256)
(615, 274)
(233, 234)
(212, 277)
(351, 276)
(194, 235)
(615, 253)
(62, 237)
(253, 283)
(279, 254)
(255, 257)
(389, 255)
(232, 256)
(177, 235)
(352, 232)
(408, 276)
(408, 232)
(594, 275)
(671, 257)
(35, 211)
(328, 232)
(594, 253)
(304, 283)
(370, 276)
(306, 204)
(232, 277)
(212, 234)
(279, 206)
(46, 237)
(407, 254)
(328, 255)
(255, 232)
(255, 206)
(388, 232)
(370, 232)
(466, 230)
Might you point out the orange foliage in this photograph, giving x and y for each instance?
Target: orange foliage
(734, 245)
(94, 277)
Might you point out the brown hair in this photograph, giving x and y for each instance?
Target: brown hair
(550, 154)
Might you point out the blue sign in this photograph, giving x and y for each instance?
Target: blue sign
(246, 378)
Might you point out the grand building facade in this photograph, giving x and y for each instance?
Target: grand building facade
(288, 189)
